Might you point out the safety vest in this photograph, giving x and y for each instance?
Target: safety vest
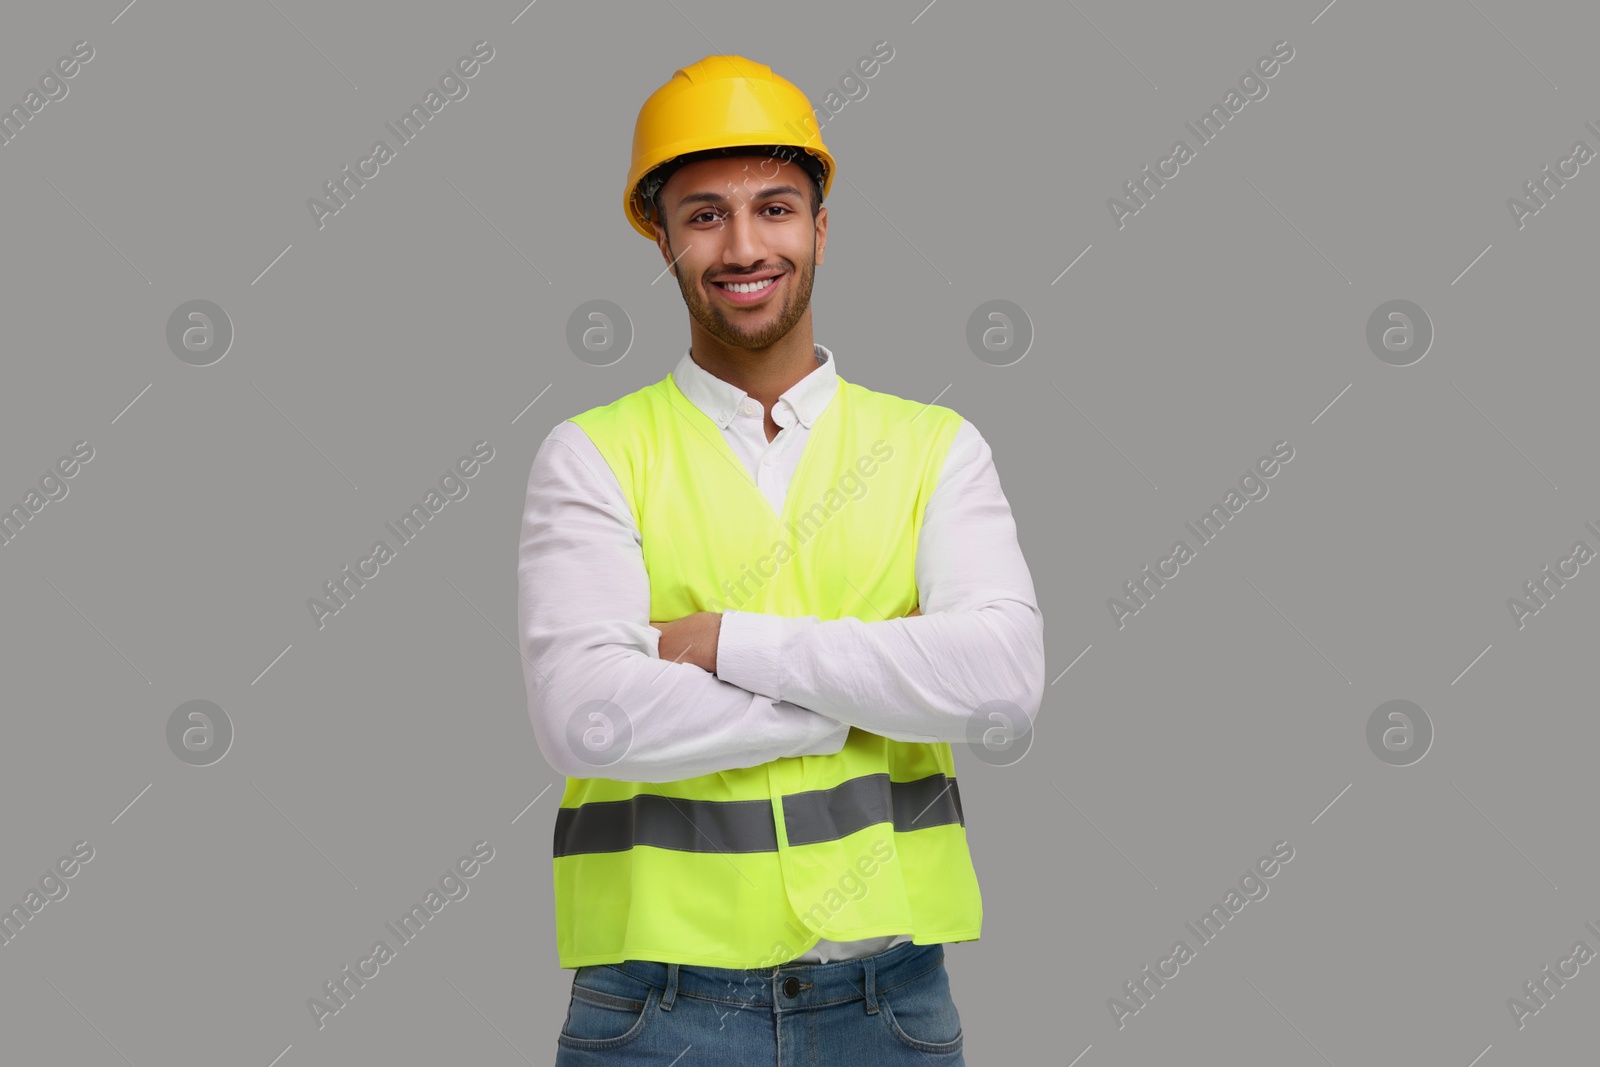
(750, 867)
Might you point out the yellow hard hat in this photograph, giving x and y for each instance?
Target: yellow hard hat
(719, 102)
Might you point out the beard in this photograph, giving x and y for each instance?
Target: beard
(767, 326)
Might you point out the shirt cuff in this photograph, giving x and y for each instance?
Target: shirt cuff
(747, 651)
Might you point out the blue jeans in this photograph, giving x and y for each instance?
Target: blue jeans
(884, 1010)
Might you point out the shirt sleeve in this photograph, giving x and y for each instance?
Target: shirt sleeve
(932, 677)
(601, 700)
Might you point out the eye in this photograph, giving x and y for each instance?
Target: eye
(702, 215)
(780, 207)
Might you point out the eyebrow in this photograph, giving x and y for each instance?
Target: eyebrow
(717, 198)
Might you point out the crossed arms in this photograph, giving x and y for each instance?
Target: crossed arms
(783, 686)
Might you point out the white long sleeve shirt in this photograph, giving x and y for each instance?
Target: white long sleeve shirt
(783, 686)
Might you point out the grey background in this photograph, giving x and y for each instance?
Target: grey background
(1229, 314)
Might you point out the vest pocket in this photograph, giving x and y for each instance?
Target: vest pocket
(600, 1020)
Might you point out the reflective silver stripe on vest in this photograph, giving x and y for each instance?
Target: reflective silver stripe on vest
(747, 825)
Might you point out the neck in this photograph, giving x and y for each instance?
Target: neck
(764, 373)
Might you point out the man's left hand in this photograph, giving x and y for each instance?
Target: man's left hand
(692, 639)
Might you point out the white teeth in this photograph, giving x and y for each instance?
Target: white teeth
(747, 287)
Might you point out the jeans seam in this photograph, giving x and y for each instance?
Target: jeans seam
(926, 970)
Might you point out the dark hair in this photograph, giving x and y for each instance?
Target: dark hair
(650, 186)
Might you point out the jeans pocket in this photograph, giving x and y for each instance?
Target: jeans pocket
(604, 1019)
(921, 1014)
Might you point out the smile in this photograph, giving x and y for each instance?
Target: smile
(748, 292)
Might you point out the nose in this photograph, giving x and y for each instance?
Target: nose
(742, 242)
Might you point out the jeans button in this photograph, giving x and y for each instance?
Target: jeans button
(791, 986)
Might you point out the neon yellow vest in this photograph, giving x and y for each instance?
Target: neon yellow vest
(752, 866)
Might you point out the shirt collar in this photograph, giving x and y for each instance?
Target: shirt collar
(720, 400)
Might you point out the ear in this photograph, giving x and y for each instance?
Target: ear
(666, 249)
(822, 232)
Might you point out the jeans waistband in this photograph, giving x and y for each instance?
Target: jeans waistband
(790, 986)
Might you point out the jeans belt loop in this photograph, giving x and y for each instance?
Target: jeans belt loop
(868, 965)
(671, 994)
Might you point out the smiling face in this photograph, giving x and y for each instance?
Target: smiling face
(739, 220)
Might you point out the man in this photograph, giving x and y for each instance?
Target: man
(757, 603)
